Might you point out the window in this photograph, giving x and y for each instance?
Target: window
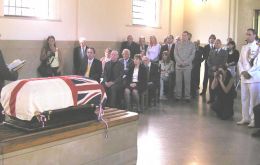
(45, 9)
(145, 12)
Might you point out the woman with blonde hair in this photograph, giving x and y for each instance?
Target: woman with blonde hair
(153, 50)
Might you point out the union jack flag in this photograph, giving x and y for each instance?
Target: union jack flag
(87, 91)
(23, 98)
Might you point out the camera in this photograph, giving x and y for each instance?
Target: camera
(218, 73)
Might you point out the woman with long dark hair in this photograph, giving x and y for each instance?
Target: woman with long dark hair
(51, 57)
(233, 57)
(223, 85)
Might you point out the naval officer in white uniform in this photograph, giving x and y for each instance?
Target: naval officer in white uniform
(249, 69)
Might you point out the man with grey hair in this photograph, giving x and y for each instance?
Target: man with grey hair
(184, 54)
(113, 76)
(126, 61)
(79, 54)
(217, 57)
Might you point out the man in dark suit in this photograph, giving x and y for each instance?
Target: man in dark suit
(142, 45)
(169, 47)
(113, 76)
(130, 45)
(195, 72)
(79, 55)
(206, 51)
(5, 74)
(217, 57)
(91, 67)
(126, 61)
(153, 78)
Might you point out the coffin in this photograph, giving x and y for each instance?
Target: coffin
(41, 103)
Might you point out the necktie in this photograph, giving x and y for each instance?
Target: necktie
(82, 52)
(88, 70)
(125, 65)
(169, 47)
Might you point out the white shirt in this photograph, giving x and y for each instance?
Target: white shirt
(83, 49)
(90, 62)
(135, 75)
(125, 63)
(153, 52)
(55, 60)
(244, 65)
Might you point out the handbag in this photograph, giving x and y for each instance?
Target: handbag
(45, 69)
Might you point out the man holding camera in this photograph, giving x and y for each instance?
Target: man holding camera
(217, 57)
(249, 70)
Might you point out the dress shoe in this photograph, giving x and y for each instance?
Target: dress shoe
(256, 134)
(242, 122)
(251, 124)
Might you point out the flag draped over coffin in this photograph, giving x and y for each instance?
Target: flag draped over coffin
(23, 98)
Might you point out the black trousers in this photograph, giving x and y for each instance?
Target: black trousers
(206, 77)
(195, 79)
(114, 95)
(212, 93)
(257, 115)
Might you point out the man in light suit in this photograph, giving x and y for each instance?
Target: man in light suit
(5, 74)
(217, 57)
(79, 54)
(249, 70)
(91, 67)
(184, 54)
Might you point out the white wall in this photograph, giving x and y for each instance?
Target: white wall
(110, 20)
(245, 18)
(204, 18)
(177, 17)
(33, 29)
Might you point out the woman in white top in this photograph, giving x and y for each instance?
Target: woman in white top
(51, 55)
(136, 82)
(167, 68)
(153, 50)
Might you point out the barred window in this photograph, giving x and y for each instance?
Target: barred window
(146, 12)
(45, 9)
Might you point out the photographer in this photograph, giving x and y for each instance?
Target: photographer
(223, 86)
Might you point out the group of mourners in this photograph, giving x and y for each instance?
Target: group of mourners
(169, 70)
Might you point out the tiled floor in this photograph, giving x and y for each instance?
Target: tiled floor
(190, 134)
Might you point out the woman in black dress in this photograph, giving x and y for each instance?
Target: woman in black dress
(223, 85)
(233, 57)
(136, 82)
